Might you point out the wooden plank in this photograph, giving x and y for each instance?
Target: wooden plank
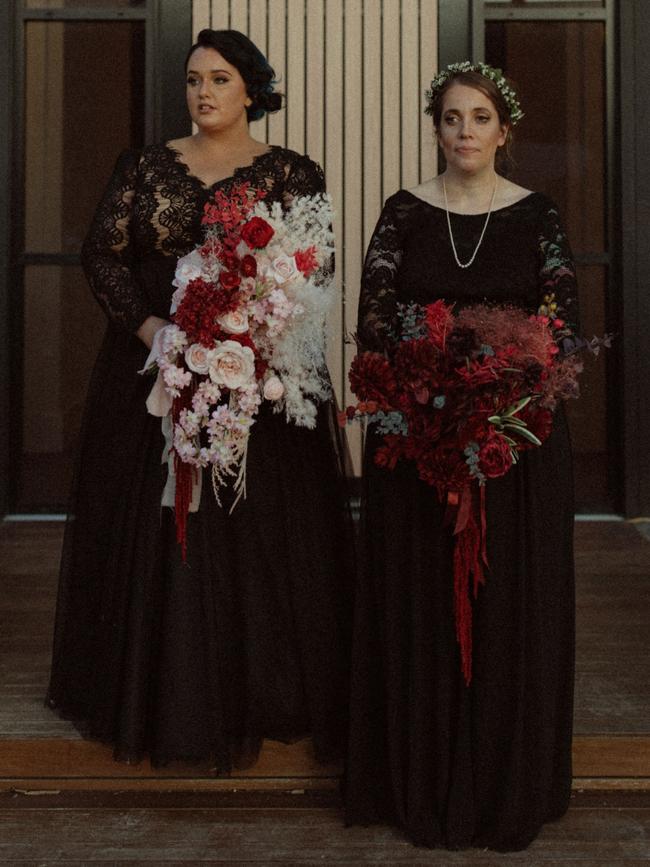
(239, 15)
(278, 60)
(295, 84)
(314, 84)
(220, 15)
(391, 113)
(410, 96)
(51, 785)
(333, 165)
(56, 757)
(593, 756)
(371, 121)
(611, 756)
(293, 836)
(429, 63)
(353, 242)
(200, 16)
(258, 33)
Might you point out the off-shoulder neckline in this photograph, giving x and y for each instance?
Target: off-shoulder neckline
(482, 214)
(177, 159)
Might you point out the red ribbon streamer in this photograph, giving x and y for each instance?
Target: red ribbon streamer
(470, 555)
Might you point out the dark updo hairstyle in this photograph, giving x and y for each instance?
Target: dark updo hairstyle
(251, 64)
(489, 89)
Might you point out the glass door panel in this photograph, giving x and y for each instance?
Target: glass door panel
(560, 148)
(83, 104)
(84, 85)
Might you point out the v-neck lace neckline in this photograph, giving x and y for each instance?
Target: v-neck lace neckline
(177, 159)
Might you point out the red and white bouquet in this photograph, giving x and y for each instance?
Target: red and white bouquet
(461, 395)
(247, 325)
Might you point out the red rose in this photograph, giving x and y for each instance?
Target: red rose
(306, 261)
(249, 266)
(230, 261)
(229, 279)
(495, 458)
(257, 233)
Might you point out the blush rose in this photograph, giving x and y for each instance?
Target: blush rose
(197, 358)
(231, 364)
(273, 388)
(234, 322)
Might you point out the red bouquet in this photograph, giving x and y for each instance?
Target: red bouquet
(462, 395)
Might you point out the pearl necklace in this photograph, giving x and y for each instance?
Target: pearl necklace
(487, 220)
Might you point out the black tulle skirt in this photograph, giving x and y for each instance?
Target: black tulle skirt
(248, 639)
(457, 766)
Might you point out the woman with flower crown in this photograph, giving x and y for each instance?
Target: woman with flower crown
(457, 761)
(198, 660)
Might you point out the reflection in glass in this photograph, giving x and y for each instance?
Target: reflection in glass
(63, 326)
(85, 4)
(546, 4)
(560, 146)
(84, 83)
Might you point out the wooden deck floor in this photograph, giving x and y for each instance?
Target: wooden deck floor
(612, 716)
(174, 836)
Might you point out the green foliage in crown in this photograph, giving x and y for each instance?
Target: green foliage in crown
(495, 75)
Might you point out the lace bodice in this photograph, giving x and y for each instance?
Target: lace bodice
(150, 214)
(525, 260)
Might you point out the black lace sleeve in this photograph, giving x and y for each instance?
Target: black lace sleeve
(107, 253)
(378, 299)
(558, 286)
(305, 177)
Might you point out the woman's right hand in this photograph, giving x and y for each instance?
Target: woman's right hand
(148, 329)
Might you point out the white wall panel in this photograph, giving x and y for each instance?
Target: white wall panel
(354, 74)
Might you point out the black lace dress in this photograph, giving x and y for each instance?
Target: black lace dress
(248, 639)
(484, 765)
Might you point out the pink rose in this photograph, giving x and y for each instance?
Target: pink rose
(284, 268)
(231, 364)
(273, 388)
(235, 322)
(197, 358)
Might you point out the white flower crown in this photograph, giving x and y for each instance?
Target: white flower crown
(495, 75)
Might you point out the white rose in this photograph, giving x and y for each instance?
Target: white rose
(284, 268)
(197, 358)
(188, 268)
(235, 322)
(273, 388)
(231, 364)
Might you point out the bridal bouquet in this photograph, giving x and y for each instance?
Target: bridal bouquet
(247, 325)
(461, 396)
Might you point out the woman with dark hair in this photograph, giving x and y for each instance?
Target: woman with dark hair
(197, 661)
(455, 763)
